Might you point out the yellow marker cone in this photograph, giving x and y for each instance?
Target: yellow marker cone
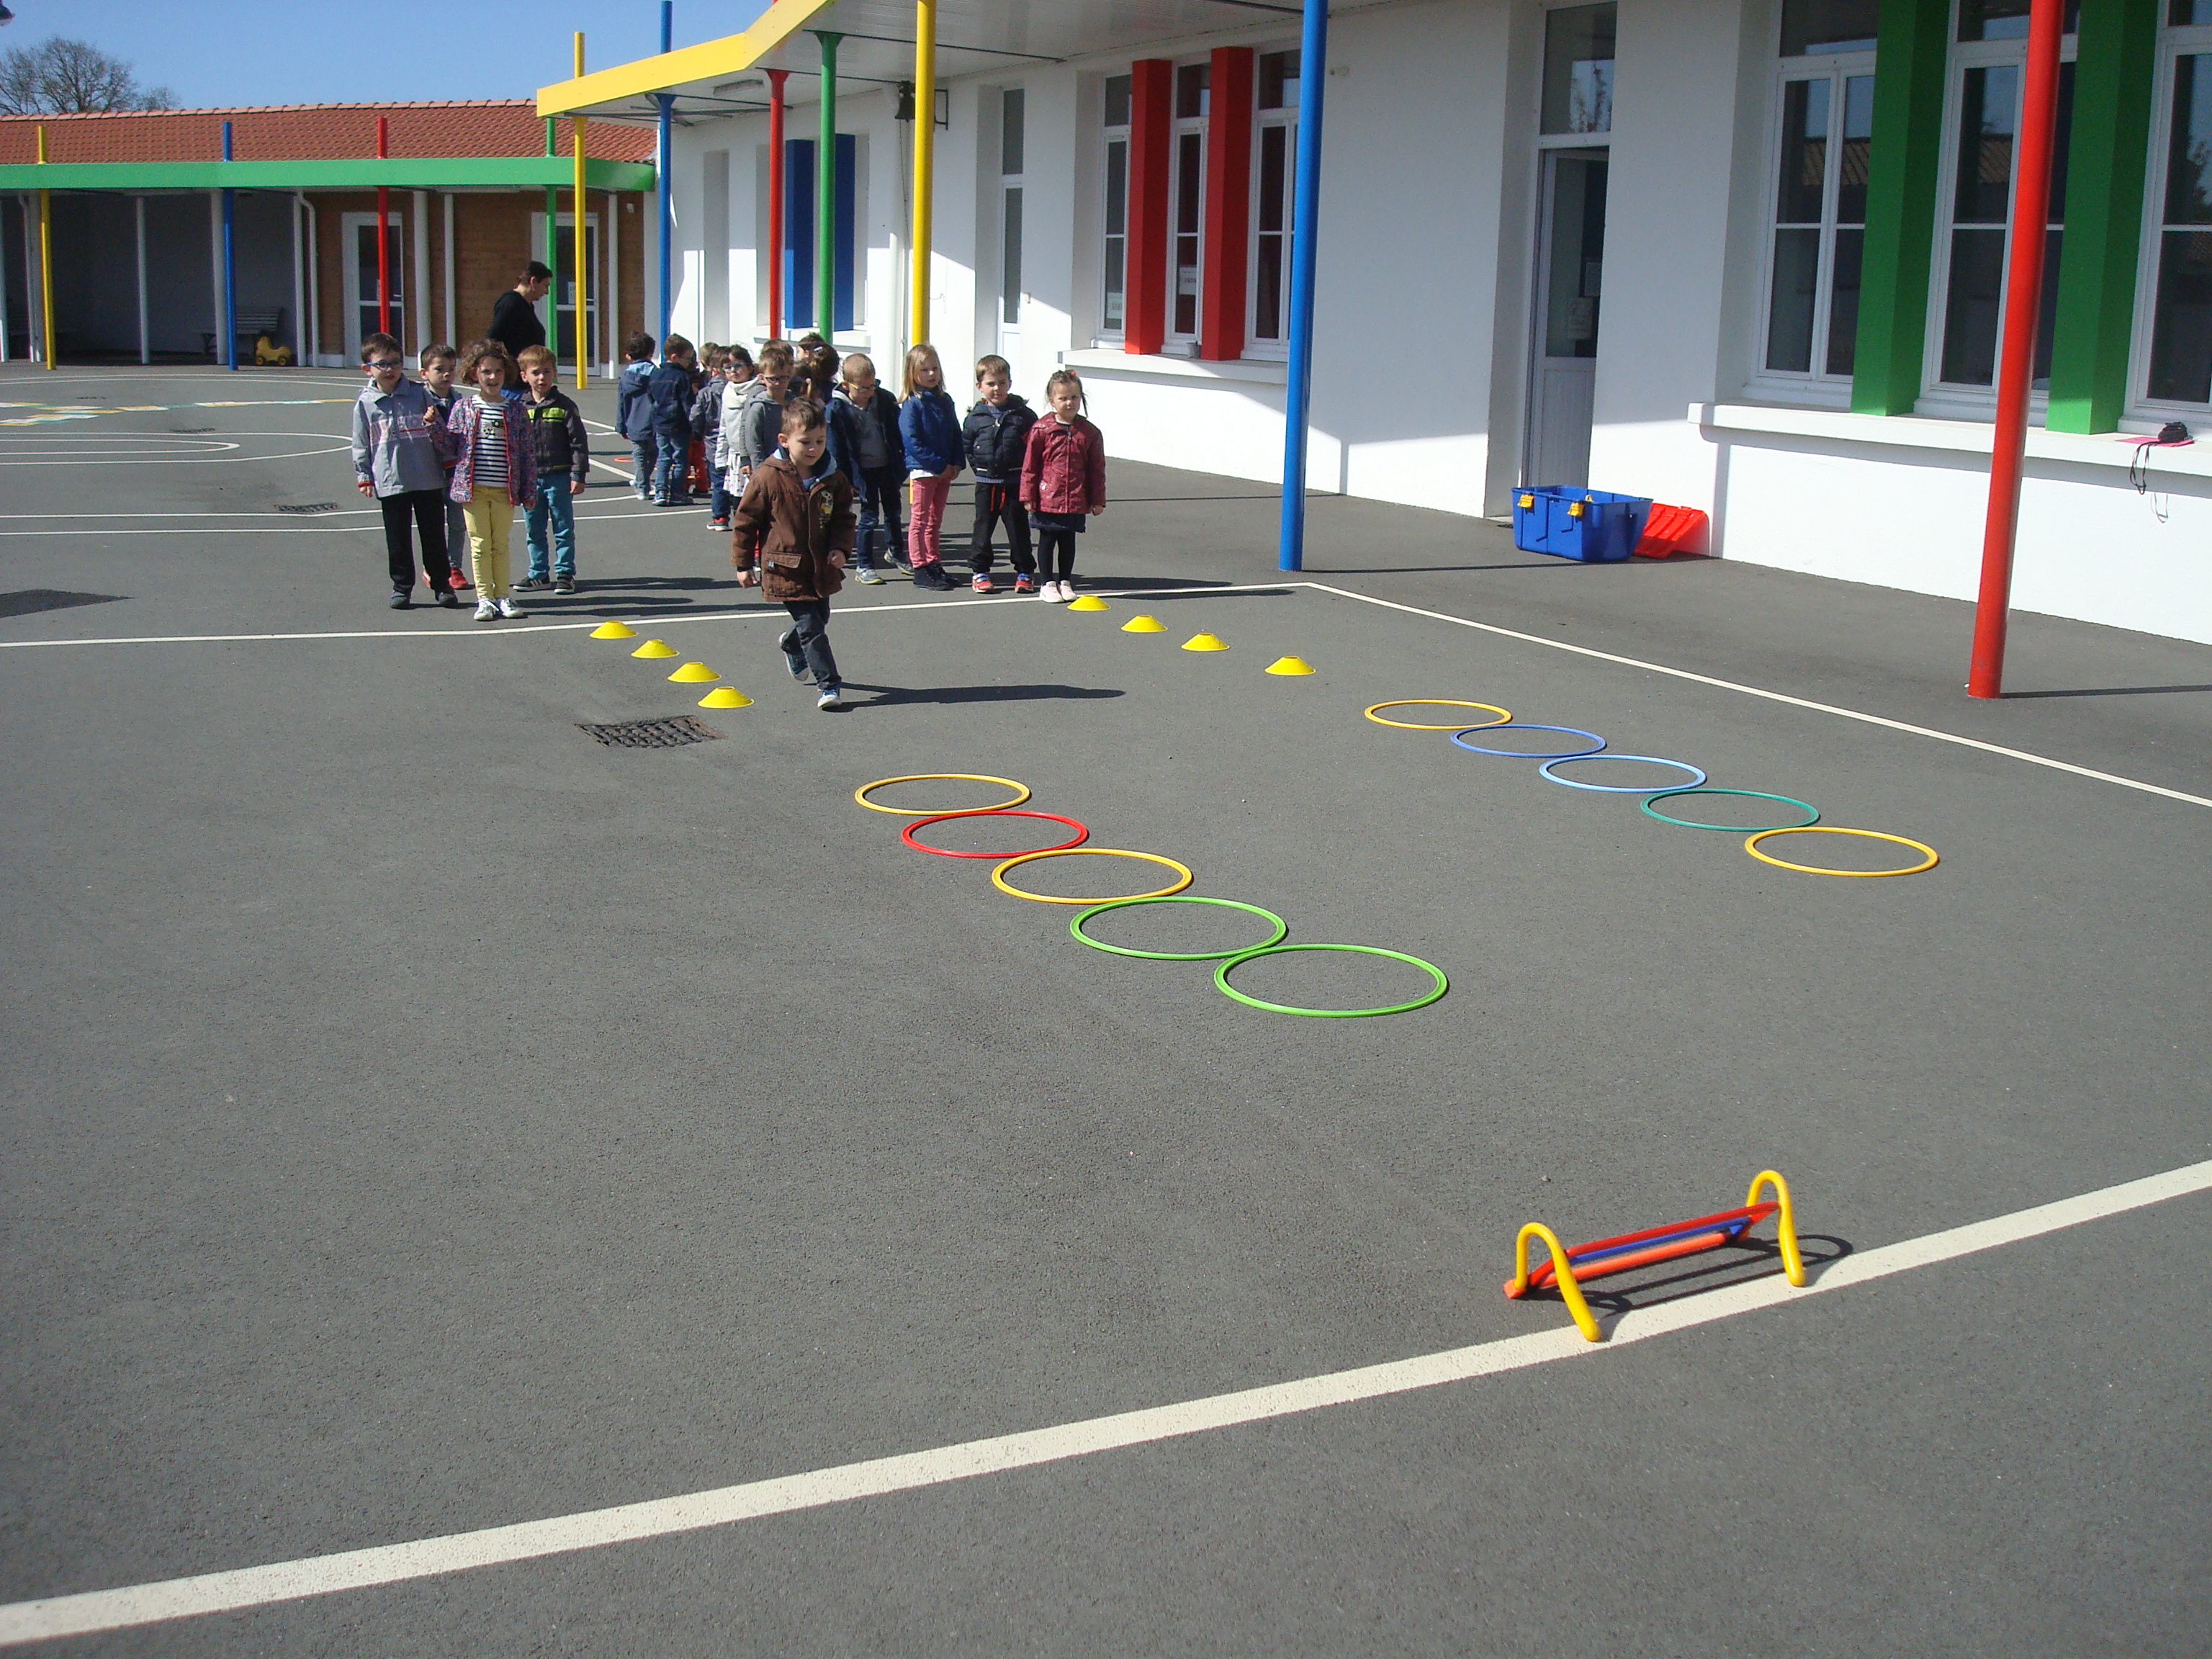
(612, 629)
(693, 673)
(655, 648)
(1289, 666)
(1143, 625)
(726, 696)
(1203, 642)
(1089, 602)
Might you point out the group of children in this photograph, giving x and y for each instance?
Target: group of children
(718, 413)
(451, 460)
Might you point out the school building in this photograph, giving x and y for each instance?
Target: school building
(188, 235)
(1748, 256)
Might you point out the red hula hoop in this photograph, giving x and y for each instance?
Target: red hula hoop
(905, 835)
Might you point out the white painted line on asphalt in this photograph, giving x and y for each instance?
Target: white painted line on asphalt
(310, 526)
(1773, 697)
(290, 1581)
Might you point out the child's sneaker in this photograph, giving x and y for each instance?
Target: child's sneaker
(486, 611)
(1055, 593)
(447, 600)
(718, 523)
(533, 584)
(509, 609)
(401, 599)
(1025, 584)
(833, 696)
(868, 576)
(564, 584)
(793, 659)
(983, 583)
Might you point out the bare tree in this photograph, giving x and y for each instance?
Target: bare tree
(62, 77)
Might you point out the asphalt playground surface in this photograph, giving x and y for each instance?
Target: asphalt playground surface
(419, 1117)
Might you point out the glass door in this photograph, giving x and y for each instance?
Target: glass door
(1563, 349)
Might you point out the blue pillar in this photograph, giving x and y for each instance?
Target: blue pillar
(1305, 228)
(661, 170)
(229, 266)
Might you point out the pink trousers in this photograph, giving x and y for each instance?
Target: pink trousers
(927, 500)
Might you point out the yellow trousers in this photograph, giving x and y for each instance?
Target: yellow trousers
(491, 519)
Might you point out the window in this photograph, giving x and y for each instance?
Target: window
(2179, 360)
(1578, 70)
(1117, 203)
(1186, 212)
(1010, 113)
(798, 301)
(1817, 204)
(1272, 226)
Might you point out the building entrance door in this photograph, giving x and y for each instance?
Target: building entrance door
(1563, 347)
(363, 303)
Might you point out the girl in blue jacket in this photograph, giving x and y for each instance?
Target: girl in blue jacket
(929, 429)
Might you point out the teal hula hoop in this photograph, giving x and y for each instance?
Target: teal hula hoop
(1812, 812)
(1282, 929)
(1221, 981)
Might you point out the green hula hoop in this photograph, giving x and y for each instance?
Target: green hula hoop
(1282, 929)
(1221, 981)
(1812, 812)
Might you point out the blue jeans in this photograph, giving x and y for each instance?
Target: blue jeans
(878, 496)
(675, 458)
(644, 452)
(720, 503)
(556, 507)
(808, 636)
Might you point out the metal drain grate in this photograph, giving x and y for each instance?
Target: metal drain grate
(312, 506)
(187, 429)
(651, 734)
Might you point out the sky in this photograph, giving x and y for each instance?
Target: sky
(315, 51)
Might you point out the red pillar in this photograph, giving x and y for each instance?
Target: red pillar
(1152, 133)
(1228, 205)
(383, 234)
(2031, 212)
(776, 79)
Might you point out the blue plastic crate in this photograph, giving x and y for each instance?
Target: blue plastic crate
(1594, 525)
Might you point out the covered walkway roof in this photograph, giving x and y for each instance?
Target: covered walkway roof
(721, 77)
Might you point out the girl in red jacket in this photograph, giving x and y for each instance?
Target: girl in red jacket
(1063, 484)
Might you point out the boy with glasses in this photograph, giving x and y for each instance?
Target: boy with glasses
(399, 450)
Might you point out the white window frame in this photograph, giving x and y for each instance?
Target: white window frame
(2186, 40)
(1277, 348)
(1948, 397)
(1179, 128)
(1817, 387)
(1110, 332)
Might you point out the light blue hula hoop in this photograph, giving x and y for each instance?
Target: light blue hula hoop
(1697, 776)
(1596, 742)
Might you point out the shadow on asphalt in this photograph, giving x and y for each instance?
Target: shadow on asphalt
(902, 694)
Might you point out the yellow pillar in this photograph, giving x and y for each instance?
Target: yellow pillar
(925, 155)
(582, 265)
(45, 257)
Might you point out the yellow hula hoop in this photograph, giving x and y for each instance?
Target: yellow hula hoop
(999, 874)
(862, 793)
(1927, 863)
(1446, 703)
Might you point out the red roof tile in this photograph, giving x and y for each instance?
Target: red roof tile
(291, 132)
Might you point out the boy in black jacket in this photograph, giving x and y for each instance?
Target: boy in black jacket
(866, 447)
(564, 466)
(996, 433)
(669, 390)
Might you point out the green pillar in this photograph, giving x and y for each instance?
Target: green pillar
(2115, 65)
(1912, 45)
(825, 197)
(553, 248)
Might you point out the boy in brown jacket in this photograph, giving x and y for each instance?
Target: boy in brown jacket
(796, 524)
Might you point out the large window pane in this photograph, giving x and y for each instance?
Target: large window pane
(1987, 113)
(1827, 25)
(1190, 184)
(2005, 19)
(2189, 156)
(1844, 301)
(2183, 13)
(1969, 311)
(1577, 258)
(2181, 335)
(1790, 313)
(1117, 100)
(1011, 111)
(1010, 286)
(1279, 80)
(1578, 70)
(1858, 143)
(1800, 194)
(1117, 195)
(1190, 90)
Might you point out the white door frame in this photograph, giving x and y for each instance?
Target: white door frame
(1541, 367)
(350, 226)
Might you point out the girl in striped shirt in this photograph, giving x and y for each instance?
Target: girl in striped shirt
(495, 471)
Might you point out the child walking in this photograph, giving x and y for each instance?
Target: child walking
(997, 434)
(495, 471)
(866, 447)
(795, 523)
(929, 430)
(1063, 484)
(670, 390)
(399, 446)
(563, 455)
(634, 411)
(438, 362)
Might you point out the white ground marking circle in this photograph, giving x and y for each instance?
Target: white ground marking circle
(8, 456)
(141, 445)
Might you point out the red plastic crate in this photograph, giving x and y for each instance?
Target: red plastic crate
(1673, 530)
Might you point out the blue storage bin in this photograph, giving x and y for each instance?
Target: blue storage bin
(1594, 525)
